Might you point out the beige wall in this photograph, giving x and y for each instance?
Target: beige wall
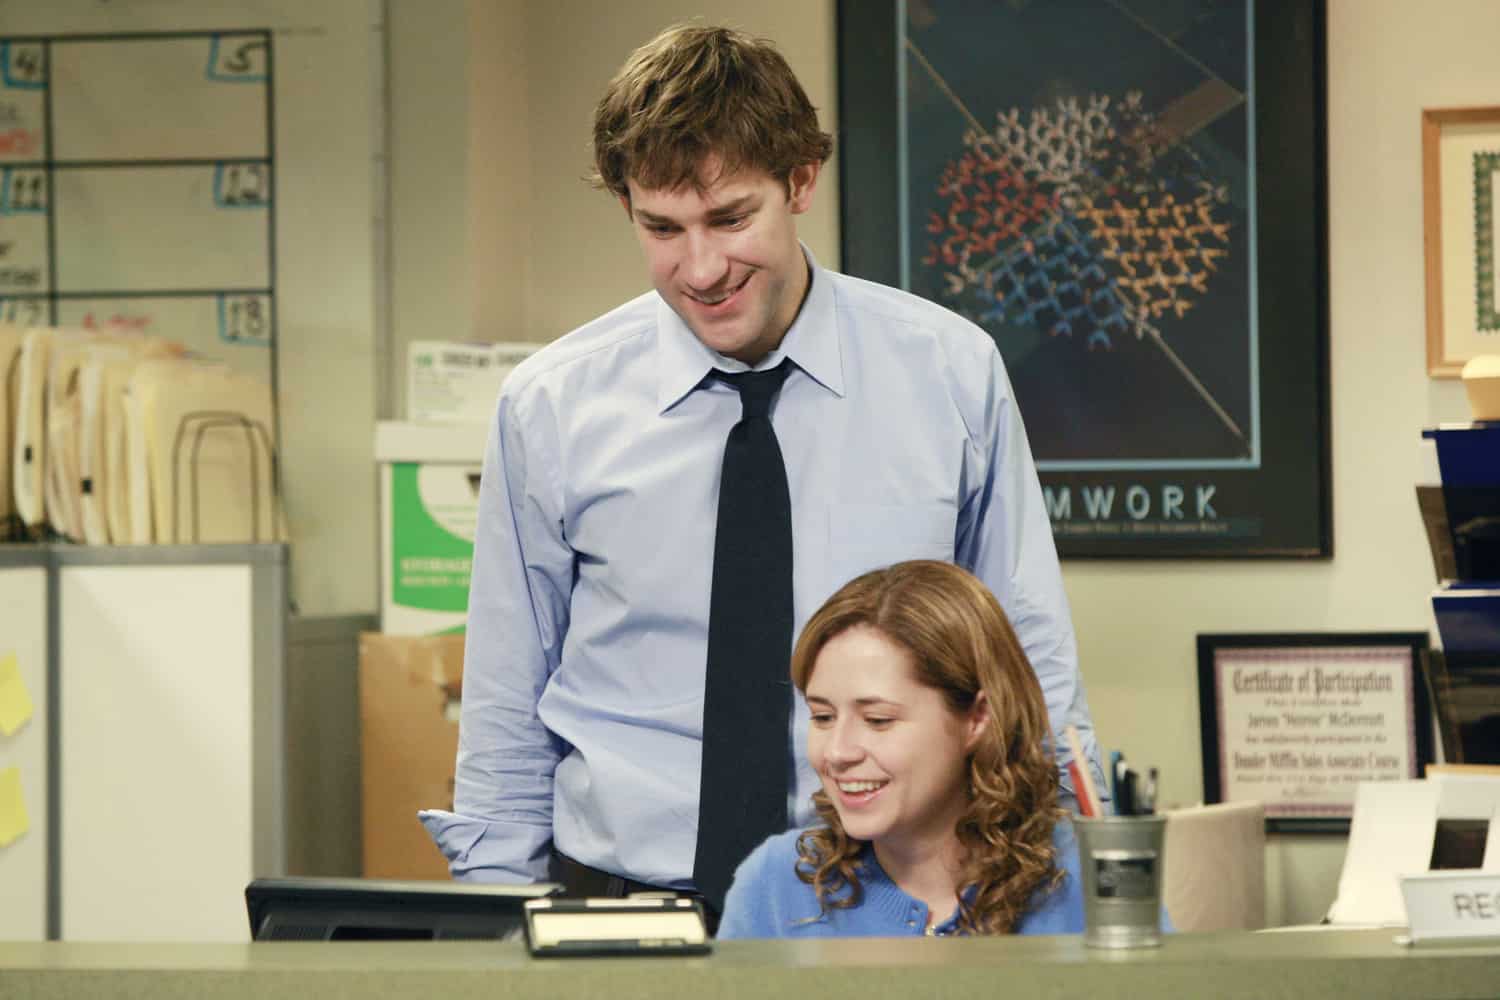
(494, 234)
(561, 253)
(1387, 60)
(583, 257)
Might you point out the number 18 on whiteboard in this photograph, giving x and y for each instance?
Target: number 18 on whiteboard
(245, 319)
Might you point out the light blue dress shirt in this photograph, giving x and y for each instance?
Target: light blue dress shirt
(588, 607)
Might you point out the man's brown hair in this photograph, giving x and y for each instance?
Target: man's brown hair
(696, 91)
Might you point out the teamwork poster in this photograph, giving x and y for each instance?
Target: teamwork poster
(1121, 197)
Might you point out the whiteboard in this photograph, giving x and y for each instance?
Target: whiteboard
(207, 171)
(137, 188)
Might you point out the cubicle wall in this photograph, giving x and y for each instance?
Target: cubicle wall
(171, 735)
(23, 635)
(154, 764)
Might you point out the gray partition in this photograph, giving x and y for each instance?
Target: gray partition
(170, 737)
(322, 750)
(158, 666)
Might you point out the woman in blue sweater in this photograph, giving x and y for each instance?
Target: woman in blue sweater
(939, 800)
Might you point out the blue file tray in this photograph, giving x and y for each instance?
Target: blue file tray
(1468, 616)
(1469, 461)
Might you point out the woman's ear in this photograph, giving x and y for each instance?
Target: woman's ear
(978, 717)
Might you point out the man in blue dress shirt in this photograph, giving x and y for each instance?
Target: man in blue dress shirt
(583, 693)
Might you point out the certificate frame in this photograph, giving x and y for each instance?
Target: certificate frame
(1156, 434)
(1296, 719)
(1460, 175)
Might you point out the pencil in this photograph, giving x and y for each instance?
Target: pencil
(1083, 781)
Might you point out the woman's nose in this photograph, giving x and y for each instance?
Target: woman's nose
(844, 746)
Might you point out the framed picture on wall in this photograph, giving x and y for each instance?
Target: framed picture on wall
(1460, 178)
(1298, 720)
(1130, 200)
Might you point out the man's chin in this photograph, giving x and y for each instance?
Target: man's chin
(728, 342)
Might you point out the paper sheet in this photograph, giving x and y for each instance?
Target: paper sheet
(10, 353)
(29, 455)
(1390, 835)
(1464, 795)
(15, 702)
(13, 819)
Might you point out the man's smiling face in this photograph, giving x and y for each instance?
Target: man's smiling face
(725, 257)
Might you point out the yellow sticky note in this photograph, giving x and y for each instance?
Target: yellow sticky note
(15, 703)
(13, 821)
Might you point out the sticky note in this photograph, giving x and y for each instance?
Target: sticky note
(15, 703)
(13, 821)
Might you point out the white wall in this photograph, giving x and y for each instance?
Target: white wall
(566, 254)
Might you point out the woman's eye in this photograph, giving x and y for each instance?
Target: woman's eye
(821, 718)
(879, 722)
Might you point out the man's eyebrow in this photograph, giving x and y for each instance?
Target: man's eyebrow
(734, 207)
(739, 205)
(651, 217)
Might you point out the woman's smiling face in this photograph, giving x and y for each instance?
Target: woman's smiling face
(892, 755)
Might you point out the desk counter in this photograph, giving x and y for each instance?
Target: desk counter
(1362, 963)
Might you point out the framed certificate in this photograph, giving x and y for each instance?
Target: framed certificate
(1460, 165)
(1298, 720)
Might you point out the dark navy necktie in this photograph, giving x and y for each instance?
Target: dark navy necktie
(747, 697)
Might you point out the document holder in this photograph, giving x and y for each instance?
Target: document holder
(567, 928)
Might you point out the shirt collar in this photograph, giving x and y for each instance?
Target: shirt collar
(812, 343)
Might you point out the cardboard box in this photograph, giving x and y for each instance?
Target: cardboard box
(429, 506)
(453, 382)
(409, 690)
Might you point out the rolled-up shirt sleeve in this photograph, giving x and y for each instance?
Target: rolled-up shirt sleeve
(500, 829)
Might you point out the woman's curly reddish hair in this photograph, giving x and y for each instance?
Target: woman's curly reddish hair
(960, 643)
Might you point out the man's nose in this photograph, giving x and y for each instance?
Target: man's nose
(705, 265)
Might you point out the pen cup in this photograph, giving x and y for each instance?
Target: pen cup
(1121, 861)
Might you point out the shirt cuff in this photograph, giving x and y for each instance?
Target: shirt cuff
(481, 850)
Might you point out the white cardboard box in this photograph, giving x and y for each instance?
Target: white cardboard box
(452, 382)
(429, 504)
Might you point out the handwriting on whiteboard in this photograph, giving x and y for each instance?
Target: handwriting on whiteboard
(117, 321)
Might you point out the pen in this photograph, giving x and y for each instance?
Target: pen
(1127, 803)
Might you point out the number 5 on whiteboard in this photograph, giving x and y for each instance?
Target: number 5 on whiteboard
(238, 58)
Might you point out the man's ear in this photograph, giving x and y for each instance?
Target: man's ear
(800, 184)
(978, 718)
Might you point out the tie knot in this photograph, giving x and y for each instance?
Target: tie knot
(756, 389)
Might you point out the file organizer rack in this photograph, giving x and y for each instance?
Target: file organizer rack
(256, 437)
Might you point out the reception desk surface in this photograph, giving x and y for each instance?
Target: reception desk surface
(1364, 963)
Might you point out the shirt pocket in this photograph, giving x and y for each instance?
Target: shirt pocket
(862, 537)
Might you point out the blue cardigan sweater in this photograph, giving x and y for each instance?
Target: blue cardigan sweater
(768, 900)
